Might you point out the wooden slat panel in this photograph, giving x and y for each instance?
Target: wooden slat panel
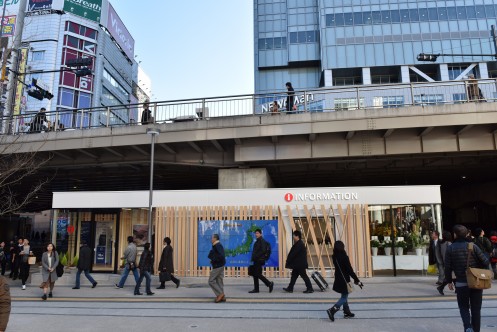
(314, 240)
(367, 236)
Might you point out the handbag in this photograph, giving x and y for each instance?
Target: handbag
(164, 276)
(432, 269)
(32, 260)
(350, 285)
(477, 278)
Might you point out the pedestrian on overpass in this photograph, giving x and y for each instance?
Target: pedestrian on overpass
(343, 275)
(218, 261)
(459, 256)
(166, 265)
(129, 258)
(146, 114)
(260, 255)
(84, 265)
(297, 262)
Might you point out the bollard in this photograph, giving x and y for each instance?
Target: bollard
(4, 303)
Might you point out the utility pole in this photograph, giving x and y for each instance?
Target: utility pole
(4, 65)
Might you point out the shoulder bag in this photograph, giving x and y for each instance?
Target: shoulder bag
(477, 278)
(350, 285)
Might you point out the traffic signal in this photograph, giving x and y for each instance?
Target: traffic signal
(83, 72)
(428, 57)
(38, 92)
(79, 62)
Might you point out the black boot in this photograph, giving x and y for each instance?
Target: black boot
(331, 312)
(346, 312)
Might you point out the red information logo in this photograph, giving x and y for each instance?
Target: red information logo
(288, 197)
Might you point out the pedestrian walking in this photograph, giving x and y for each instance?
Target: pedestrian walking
(129, 258)
(84, 265)
(297, 262)
(166, 264)
(49, 263)
(145, 266)
(435, 256)
(260, 254)
(16, 258)
(3, 257)
(445, 242)
(290, 99)
(24, 263)
(218, 261)
(342, 285)
(4, 304)
(457, 258)
(493, 256)
(482, 242)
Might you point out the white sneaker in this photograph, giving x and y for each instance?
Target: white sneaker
(23, 287)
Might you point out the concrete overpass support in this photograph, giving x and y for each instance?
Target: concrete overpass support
(239, 178)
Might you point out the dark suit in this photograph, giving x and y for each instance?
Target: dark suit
(167, 264)
(84, 265)
(259, 259)
(297, 261)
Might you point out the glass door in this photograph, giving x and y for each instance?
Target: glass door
(105, 235)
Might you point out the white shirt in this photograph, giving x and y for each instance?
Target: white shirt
(50, 261)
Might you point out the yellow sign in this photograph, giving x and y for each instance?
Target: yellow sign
(23, 60)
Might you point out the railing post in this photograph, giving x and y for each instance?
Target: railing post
(253, 104)
(305, 101)
(57, 124)
(466, 90)
(358, 98)
(155, 114)
(411, 87)
(203, 109)
(82, 119)
(108, 116)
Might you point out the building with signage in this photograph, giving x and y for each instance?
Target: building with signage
(56, 32)
(316, 44)
(359, 216)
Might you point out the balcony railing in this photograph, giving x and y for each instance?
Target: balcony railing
(336, 99)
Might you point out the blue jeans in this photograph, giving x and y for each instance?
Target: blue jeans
(470, 300)
(343, 300)
(87, 275)
(148, 278)
(124, 276)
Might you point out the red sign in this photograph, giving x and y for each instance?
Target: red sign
(70, 229)
(288, 197)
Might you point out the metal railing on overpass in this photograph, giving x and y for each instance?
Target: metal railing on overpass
(335, 99)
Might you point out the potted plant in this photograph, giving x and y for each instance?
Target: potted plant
(375, 244)
(400, 246)
(416, 243)
(387, 246)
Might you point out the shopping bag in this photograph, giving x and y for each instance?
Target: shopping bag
(432, 269)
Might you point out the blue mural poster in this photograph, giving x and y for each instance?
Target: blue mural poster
(238, 238)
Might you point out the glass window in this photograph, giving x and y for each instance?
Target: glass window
(339, 20)
(480, 11)
(395, 16)
(72, 41)
(358, 18)
(452, 13)
(376, 17)
(490, 10)
(262, 44)
(66, 97)
(269, 43)
(293, 38)
(367, 18)
(442, 14)
(423, 14)
(330, 20)
(277, 43)
(310, 36)
(38, 55)
(461, 12)
(348, 19)
(90, 33)
(283, 42)
(84, 100)
(414, 15)
(385, 16)
(404, 15)
(72, 27)
(302, 36)
(433, 14)
(470, 12)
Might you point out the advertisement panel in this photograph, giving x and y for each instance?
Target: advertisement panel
(39, 5)
(89, 9)
(23, 60)
(120, 33)
(238, 238)
(9, 26)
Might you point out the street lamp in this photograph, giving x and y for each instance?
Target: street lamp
(152, 132)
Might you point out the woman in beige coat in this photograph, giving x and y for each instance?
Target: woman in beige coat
(49, 262)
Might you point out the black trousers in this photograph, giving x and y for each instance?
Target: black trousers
(173, 279)
(300, 273)
(3, 264)
(259, 276)
(24, 272)
(470, 300)
(15, 266)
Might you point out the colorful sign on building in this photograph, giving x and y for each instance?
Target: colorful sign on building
(23, 60)
(9, 26)
(120, 33)
(89, 9)
(39, 5)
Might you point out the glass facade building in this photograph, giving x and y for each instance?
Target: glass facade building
(324, 43)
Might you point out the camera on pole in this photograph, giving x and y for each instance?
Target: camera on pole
(81, 66)
(38, 92)
(428, 57)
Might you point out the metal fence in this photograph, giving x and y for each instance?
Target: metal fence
(319, 100)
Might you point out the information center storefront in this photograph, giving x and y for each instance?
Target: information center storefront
(372, 221)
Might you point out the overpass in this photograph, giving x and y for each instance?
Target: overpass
(421, 141)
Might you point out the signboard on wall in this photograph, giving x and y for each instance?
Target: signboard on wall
(120, 33)
(9, 26)
(23, 60)
(89, 9)
(237, 238)
(39, 5)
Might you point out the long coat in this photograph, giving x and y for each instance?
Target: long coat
(166, 260)
(44, 263)
(342, 263)
(297, 257)
(84, 262)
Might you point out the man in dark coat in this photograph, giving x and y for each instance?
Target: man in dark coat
(260, 254)
(435, 255)
(84, 265)
(145, 266)
(297, 261)
(217, 257)
(166, 264)
(290, 100)
(146, 114)
(16, 258)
